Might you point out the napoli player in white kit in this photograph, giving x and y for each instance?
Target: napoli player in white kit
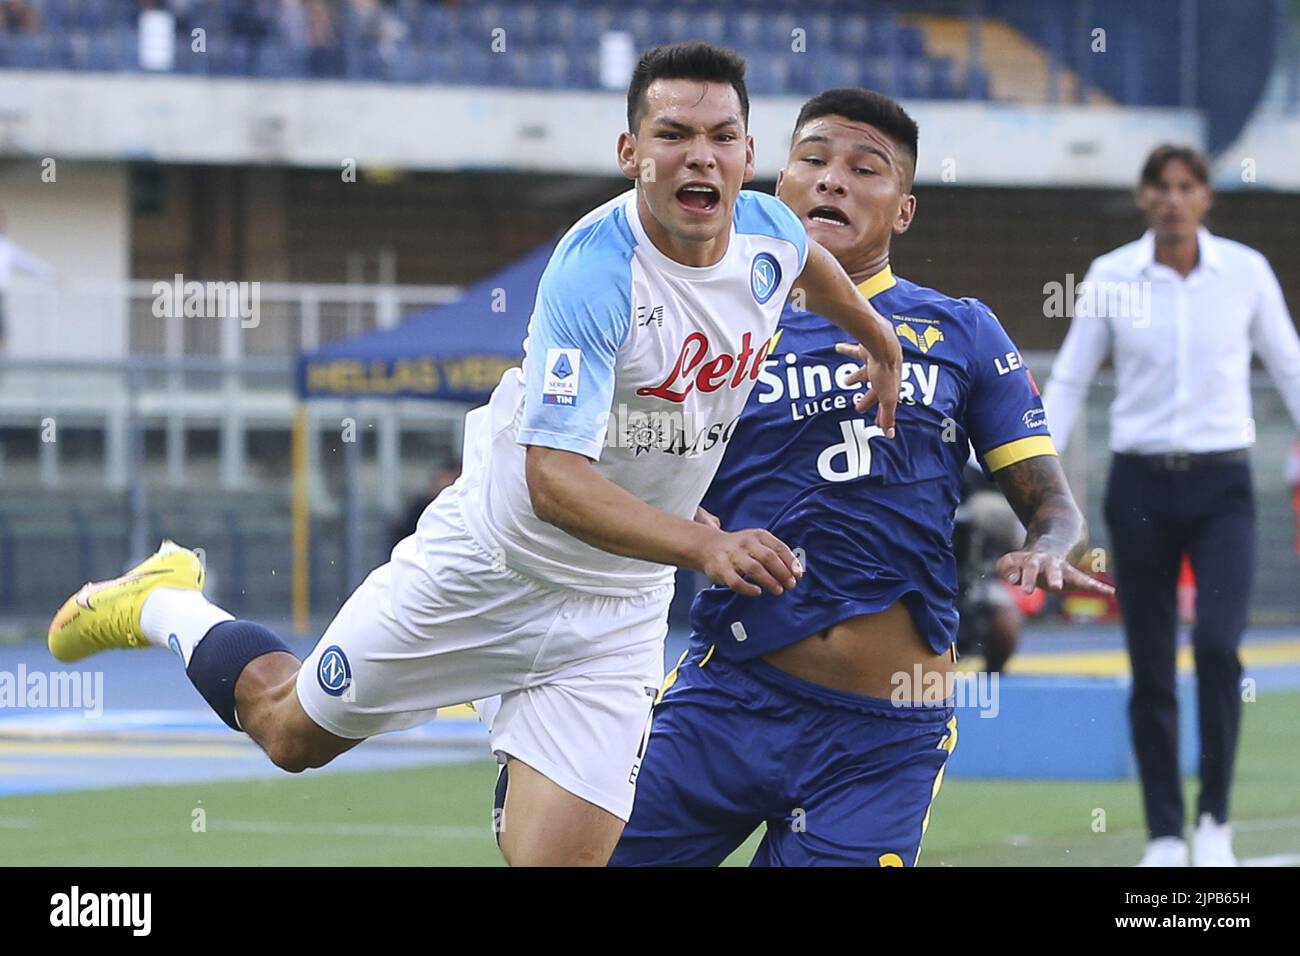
(543, 576)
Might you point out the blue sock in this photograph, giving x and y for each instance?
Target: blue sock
(221, 656)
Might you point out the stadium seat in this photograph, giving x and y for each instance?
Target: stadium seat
(679, 25)
(237, 59)
(543, 69)
(415, 64)
(877, 73)
(477, 21)
(27, 52)
(556, 25)
(833, 70)
(778, 30)
(584, 70)
(943, 82)
(272, 60)
(473, 66)
(111, 50)
(882, 37)
(851, 34)
(408, 65)
(710, 26)
(798, 77)
(64, 50)
(914, 78)
(745, 30)
(911, 41)
(977, 84)
(520, 25)
(435, 25)
(821, 33)
(94, 15)
(56, 18)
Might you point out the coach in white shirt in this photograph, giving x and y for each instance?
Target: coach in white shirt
(14, 259)
(1181, 311)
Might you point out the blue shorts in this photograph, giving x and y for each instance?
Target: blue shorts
(839, 779)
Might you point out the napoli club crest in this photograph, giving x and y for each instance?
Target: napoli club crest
(334, 672)
(764, 276)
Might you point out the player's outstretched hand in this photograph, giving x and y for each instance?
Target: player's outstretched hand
(882, 376)
(750, 562)
(707, 518)
(1051, 572)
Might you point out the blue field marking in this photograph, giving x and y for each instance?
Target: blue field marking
(155, 729)
(49, 751)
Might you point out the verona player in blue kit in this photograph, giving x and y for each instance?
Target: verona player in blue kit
(808, 711)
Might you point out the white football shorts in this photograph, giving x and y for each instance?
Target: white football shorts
(444, 623)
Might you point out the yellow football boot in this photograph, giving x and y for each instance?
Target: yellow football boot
(106, 614)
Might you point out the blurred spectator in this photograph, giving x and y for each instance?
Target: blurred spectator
(1293, 482)
(985, 528)
(19, 16)
(443, 478)
(14, 258)
(180, 11)
(252, 20)
(293, 25)
(325, 55)
(1180, 481)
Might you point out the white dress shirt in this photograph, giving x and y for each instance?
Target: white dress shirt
(14, 259)
(1181, 348)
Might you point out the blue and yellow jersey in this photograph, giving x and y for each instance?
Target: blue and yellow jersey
(871, 518)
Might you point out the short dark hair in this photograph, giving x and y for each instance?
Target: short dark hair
(1166, 153)
(864, 106)
(694, 60)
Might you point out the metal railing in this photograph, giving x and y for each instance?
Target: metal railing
(180, 316)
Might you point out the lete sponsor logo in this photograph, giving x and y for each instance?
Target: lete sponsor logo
(694, 369)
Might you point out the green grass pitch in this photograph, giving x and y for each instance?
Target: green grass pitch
(441, 816)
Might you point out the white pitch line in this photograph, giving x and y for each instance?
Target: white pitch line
(18, 823)
(1274, 823)
(1281, 859)
(1261, 825)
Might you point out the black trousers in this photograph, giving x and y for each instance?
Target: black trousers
(1155, 516)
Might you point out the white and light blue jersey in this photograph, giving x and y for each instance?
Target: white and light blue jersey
(637, 362)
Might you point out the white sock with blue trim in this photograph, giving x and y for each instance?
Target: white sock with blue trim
(178, 618)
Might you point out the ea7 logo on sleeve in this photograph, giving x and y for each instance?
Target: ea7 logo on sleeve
(132, 910)
(560, 385)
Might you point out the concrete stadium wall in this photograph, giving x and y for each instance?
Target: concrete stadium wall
(325, 124)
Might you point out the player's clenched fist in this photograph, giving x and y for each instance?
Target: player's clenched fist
(749, 562)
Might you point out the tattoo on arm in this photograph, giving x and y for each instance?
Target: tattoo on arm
(1036, 489)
